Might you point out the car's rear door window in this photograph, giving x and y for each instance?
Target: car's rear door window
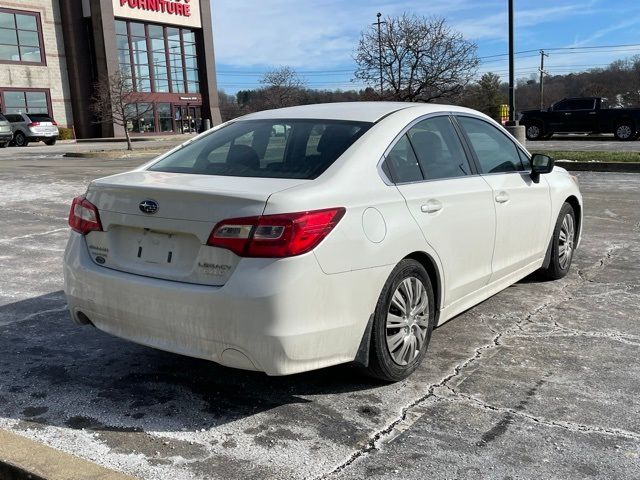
(266, 148)
(438, 149)
(495, 152)
(401, 164)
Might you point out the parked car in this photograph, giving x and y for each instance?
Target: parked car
(33, 127)
(5, 132)
(582, 115)
(348, 241)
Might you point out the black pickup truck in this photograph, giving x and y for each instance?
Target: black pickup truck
(582, 115)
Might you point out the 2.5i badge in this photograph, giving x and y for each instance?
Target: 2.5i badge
(214, 269)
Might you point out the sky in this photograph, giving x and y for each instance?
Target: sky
(318, 38)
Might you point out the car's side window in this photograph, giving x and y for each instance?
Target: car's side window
(401, 164)
(438, 149)
(495, 151)
(526, 163)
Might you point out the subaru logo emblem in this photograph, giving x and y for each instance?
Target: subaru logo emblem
(149, 207)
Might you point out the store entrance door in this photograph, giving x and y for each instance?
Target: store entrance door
(188, 119)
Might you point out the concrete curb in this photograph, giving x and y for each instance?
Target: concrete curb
(151, 138)
(621, 167)
(22, 458)
(116, 154)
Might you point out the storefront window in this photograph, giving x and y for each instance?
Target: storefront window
(164, 58)
(144, 119)
(20, 37)
(164, 117)
(15, 101)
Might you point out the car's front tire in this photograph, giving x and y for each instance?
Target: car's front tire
(403, 321)
(20, 139)
(563, 244)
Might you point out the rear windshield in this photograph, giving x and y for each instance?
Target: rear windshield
(266, 148)
(39, 117)
(2, 119)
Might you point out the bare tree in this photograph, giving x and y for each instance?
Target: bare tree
(116, 101)
(282, 87)
(423, 59)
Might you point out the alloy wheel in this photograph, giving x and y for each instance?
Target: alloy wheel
(624, 132)
(566, 241)
(407, 321)
(533, 131)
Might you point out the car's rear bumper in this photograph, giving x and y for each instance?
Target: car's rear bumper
(277, 316)
(31, 134)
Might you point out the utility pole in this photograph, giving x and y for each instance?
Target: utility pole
(542, 74)
(379, 23)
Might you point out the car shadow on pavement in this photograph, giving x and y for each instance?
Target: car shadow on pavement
(53, 372)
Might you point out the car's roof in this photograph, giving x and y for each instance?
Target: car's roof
(350, 111)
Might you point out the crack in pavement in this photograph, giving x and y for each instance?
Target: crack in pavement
(386, 434)
(31, 235)
(575, 427)
(33, 315)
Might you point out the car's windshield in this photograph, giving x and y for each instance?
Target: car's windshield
(266, 148)
(2, 119)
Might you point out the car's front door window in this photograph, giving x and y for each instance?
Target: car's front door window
(494, 150)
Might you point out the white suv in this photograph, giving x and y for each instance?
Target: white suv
(33, 127)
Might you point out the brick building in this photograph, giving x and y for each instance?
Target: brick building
(53, 51)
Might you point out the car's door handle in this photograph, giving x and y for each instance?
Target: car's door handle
(567, 113)
(431, 206)
(592, 113)
(502, 197)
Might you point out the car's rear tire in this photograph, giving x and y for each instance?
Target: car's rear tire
(50, 142)
(20, 139)
(534, 131)
(563, 244)
(625, 131)
(403, 321)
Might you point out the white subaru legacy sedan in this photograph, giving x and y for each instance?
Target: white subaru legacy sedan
(295, 239)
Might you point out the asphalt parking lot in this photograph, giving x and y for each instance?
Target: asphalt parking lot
(540, 381)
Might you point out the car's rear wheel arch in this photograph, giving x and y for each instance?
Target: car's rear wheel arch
(577, 210)
(434, 275)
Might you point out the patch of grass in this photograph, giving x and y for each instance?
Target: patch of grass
(590, 156)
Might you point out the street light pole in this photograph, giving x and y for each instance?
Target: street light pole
(512, 126)
(512, 96)
(379, 23)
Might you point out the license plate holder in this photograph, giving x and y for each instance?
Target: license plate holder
(155, 247)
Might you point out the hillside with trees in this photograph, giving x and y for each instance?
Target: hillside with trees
(619, 82)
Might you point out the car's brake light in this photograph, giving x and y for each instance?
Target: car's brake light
(53, 122)
(275, 236)
(34, 124)
(84, 217)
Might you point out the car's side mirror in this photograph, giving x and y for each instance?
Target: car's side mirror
(540, 164)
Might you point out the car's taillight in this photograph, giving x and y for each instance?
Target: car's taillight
(33, 124)
(84, 217)
(53, 122)
(275, 236)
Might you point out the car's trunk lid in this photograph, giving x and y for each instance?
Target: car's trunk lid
(171, 243)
